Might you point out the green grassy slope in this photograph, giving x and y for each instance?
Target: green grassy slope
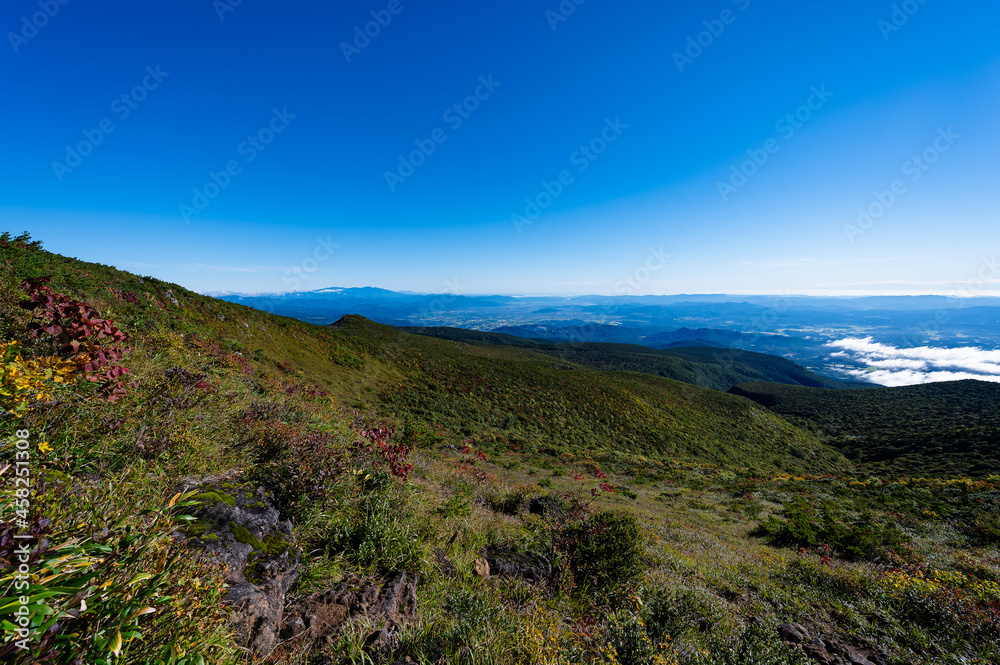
(902, 568)
(950, 428)
(500, 396)
(708, 367)
(513, 396)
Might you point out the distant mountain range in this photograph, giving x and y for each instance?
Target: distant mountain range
(798, 328)
(776, 302)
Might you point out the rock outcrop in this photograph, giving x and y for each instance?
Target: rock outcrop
(827, 649)
(530, 566)
(239, 527)
(388, 604)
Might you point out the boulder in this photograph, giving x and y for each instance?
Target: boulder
(836, 646)
(548, 508)
(856, 658)
(793, 633)
(530, 566)
(816, 650)
(239, 527)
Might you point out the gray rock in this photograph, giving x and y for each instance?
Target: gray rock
(836, 646)
(240, 528)
(530, 566)
(857, 659)
(815, 650)
(398, 600)
(382, 642)
(322, 615)
(793, 633)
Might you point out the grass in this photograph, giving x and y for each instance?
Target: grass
(229, 392)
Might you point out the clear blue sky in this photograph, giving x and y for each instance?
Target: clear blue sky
(886, 95)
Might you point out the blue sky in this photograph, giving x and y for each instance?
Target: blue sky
(644, 109)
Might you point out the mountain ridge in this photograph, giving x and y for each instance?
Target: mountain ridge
(500, 500)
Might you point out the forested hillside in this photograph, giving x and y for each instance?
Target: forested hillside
(949, 428)
(713, 367)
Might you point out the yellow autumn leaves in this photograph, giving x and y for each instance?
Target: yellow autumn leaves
(27, 382)
(937, 580)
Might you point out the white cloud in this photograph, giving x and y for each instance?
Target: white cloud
(902, 363)
(892, 366)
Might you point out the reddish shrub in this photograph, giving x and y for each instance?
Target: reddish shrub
(127, 296)
(73, 328)
(378, 448)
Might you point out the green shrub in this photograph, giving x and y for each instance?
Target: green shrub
(455, 506)
(812, 523)
(507, 500)
(420, 435)
(345, 358)
(985, 529)
(677, 612)
(626, 635)
(471, 609)
(605, 550)
(757, 644)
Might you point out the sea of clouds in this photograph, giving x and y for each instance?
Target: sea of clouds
(893, 366)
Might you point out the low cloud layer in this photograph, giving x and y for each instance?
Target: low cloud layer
(893, 366)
